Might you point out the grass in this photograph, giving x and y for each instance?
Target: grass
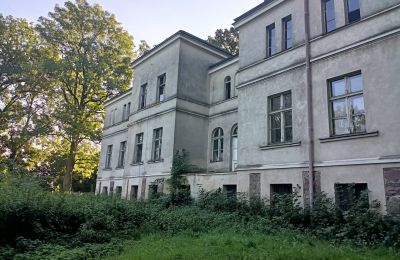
(244, 245)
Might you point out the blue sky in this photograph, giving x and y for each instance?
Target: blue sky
(150, 20)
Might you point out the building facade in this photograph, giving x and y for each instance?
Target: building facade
(311, 103)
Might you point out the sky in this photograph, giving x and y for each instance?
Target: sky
(150, 20)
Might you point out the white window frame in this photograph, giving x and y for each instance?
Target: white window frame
(281, 111)
(139, 138)
(121, 154)
(161, 86)
(219, 149)
(157, 145)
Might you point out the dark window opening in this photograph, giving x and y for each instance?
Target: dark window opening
(153, 191)
(105, 191)
(228, 94)
(287, 32)
(138, 149)
(118, 190)
(271, 40)
(230, 191)
(348, 195)
(134, 192)
(161, 88)
(143, 94)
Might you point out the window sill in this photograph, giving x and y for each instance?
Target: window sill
(159, 161)
(216, 161)
(137, 163)
(348, 137)
(107, 169)
(281, 145)
(120, 167)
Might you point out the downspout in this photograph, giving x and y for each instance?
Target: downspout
(310, 118)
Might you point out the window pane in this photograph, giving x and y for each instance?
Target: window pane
(276, 136)
(288, 118)
(338, 88)
(276, 121)
(330, 15)
(288, 134)
(340, 126)
(275, 103)
(358, 124)
(215, 155)
(355, 83)
(357, 105)
(287, 100)
(339, 108)
(353, 7)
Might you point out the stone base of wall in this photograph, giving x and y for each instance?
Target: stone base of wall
(391, 177)
(306, 186)
(255, 185)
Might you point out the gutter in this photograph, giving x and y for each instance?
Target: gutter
(310, 116)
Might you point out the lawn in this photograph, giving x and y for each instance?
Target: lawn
(244, 245)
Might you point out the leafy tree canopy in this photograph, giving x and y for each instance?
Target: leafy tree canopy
(227, 39)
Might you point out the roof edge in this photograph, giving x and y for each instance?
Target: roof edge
(184, 34)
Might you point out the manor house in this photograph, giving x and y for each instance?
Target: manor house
(311, 104)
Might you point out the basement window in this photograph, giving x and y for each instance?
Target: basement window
(348, 195)
(230, 190)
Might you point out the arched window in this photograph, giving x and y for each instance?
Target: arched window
(217, 144)
(234, 147)
(227, 87)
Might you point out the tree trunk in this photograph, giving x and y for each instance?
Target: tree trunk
(67, 182)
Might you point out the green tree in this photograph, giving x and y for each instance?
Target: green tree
(143, 47)
(23, 88)
(91, 62)
(227, 39)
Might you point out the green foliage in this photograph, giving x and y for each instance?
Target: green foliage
(90, 62)
(227, 39)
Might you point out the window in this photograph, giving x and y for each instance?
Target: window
(347, 195)
(134, 192)
(153, 191)
(353, 11)
(112, 116)
(329, 15)
(121, 157)
(287, 32)
(157, 141)
(280, 118)
(124, 113)
(271, 40)
(104, 191)
(230, 190)
(138, 148)
(346, 103)
(217, 145)
(108, 156)
(234, 147)
(142, 98)
(281, 189)
(227, 87)
(118, 190)
(161, 88)
(128, 110)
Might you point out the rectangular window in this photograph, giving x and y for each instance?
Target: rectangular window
(346, 102)
(134, 192)
(138, 148)
(281, 189)
(124, 113)
(271, 40)
(329, 14)
(230, 190)
(142, 98)
(128, 110)
(161, 88)
(118, 190)
(280, 118)
(287, 32)
(108, 157)
(104, 191)
(111, 187)
(121, 157)
(353, 11)
(157, 141)
(349, 194)
(153, 190)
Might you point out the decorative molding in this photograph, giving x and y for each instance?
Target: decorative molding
(281, 145)
(348, 137)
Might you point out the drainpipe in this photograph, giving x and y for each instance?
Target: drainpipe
(310, 119)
